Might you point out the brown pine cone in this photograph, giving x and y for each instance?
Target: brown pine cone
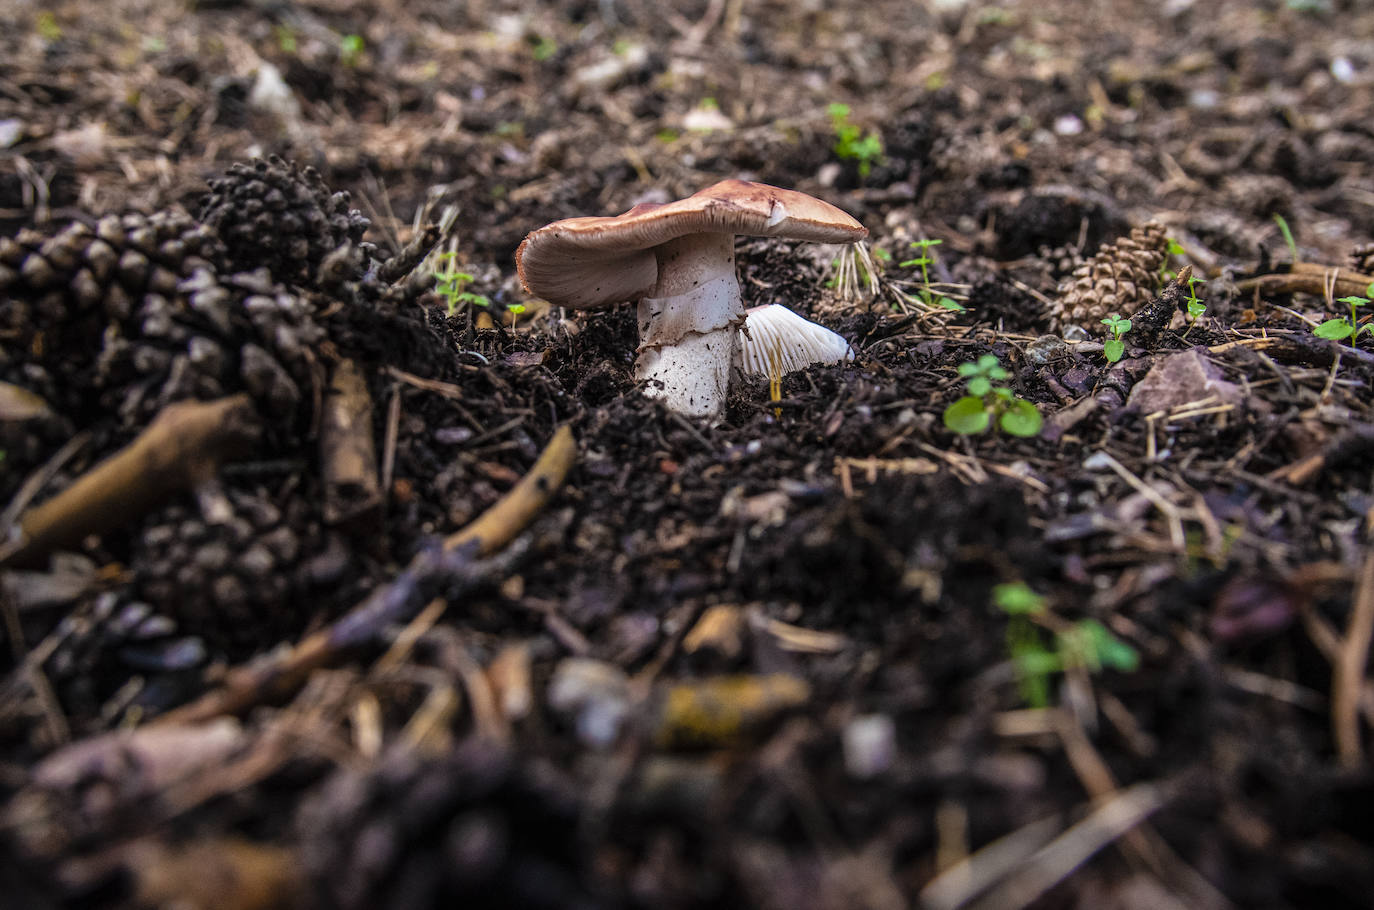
(1121, 277)
(104, 640)
(133, 314)
(472, 827)
(1061, 261)
(235, 582)
(273, 214)
(61, 289)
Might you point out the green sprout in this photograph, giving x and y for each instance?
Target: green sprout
(1086, 644)
(1341, 327)
(351, 50)
(1287, 236)
(1174, 249)
(924, 261)
(543, 48)
(286, 38)
(986, 402)
(1195, 306)
(851, 143)
(47, 27)
(1114, 347)
(450, 284)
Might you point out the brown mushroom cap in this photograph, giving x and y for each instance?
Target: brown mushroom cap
(594, 262)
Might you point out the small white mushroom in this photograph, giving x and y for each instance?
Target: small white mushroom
(678, 261)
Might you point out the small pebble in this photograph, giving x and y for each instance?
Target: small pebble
(1068, 125)
(870, 745)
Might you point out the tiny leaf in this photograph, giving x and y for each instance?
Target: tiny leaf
(1334, 329)
(1022, 418)
(967, 416)
(1017, 598)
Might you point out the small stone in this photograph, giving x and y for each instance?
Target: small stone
(870, 745)
(1183, 378)
(597, 696)
(1045, 349)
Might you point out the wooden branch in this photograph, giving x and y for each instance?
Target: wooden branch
(414, 252)
(179, 451)
(1309, 278)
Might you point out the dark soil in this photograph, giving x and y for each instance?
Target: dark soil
(760, 662)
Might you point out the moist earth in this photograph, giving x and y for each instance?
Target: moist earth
(824, 652)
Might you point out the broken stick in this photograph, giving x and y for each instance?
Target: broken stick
(181, 450)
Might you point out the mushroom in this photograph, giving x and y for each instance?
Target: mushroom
(678, 261)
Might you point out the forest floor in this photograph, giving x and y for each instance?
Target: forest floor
(824, 652)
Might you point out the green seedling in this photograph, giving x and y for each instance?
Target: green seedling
(1341, 328)
(1174, 249)
(925, 260)
(1195, 306)
(450, 284)
(543, 48)
(1287, 237)
(351, 50)
(852, 143)
(1084, 645)
(988, 402)
(286, 38)
(46, 25)
(1114, 347)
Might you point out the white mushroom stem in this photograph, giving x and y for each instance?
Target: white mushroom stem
(688, 326)
(776, 340)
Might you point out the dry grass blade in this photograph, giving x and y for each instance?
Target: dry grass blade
(1348, 678)
(961, 883)
(1054, 862)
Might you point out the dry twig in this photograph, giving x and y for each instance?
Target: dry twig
(181, 450)
(348, 453)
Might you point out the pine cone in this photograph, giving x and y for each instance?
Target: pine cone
(1121, 277)
(471, 828)
(1362, 258)
(219, 334)
(233, 582)
(1061, 260)
(273, 214)
(58, 293)
(133, 314)
(102, 641)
